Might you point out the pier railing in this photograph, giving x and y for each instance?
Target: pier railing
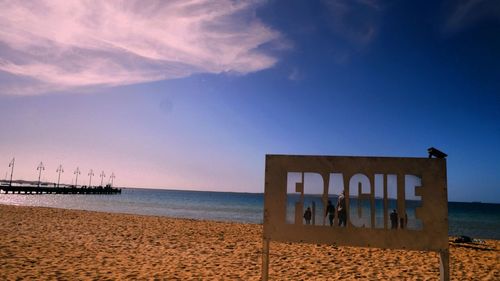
(27, 189)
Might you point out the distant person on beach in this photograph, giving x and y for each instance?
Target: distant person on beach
(330, 212)
(341, 209)
(308, 215)
(403, 221)
(394, 219)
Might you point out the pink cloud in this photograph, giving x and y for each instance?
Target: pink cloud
(56, 45)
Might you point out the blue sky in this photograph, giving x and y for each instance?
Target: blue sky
(193, 95)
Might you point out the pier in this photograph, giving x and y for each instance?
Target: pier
(39, 187)
(27, 189)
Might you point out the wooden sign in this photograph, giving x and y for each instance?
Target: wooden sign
(382, 202)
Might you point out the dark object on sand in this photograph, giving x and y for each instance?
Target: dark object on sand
(463, 239)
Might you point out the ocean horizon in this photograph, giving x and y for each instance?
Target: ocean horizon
(477, 220)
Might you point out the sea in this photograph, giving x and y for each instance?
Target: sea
(476, 220)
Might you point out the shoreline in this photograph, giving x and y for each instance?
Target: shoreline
(477, 221)
(53, 243)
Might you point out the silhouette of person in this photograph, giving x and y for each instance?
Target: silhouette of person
(341, 209)
(330, 212)
(403, 221)
(394, 219)
(308, 215)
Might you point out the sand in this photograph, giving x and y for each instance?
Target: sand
(44, 243)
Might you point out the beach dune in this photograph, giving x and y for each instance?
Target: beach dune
(45, 243)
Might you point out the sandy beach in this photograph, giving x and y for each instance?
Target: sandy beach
(44, 243)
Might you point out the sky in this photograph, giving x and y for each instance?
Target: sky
(193, 94)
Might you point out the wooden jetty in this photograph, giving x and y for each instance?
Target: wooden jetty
(29, 189)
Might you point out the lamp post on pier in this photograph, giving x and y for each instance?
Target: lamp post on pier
(91, 173)
(59, 170)
(11, 164)
(112, 177)
(102, 175)
(40, 168)
(77, 172)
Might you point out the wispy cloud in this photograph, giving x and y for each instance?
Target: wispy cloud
(354, 20)
(60, 45)
(463, 13)
(354, 23)
(295, 74)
